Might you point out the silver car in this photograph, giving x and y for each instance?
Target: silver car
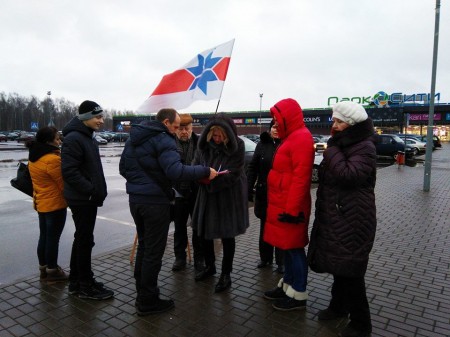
(418, 146)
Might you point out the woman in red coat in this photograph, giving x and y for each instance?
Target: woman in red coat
(289, 203)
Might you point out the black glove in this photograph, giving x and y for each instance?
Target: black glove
(285, 217)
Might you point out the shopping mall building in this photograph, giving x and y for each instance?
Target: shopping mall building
(391, 113)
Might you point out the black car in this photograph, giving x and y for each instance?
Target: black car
(390, 145)
(436, 141)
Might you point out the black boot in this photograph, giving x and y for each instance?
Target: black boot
(147, 305)
(356, 330)
(205, 273)
(179, 264)
(224, 283)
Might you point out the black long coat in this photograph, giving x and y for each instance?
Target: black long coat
(221, 208)
(345, 219)
(258, 170)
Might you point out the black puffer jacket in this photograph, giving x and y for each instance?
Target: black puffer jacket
(345, 219)
(258, 170)
(82, 170)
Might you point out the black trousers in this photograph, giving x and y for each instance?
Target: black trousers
(184, 208)
(80, 260)
(152, 226)
(266, 250)
(348, 294)
(229, 247)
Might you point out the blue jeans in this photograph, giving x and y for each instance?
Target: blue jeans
(295, 269)
(51, 225)
(152, 226)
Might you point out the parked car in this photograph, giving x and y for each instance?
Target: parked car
(418, 146)
(120, 137)
(3, 138)
(253, 137)
(389, 145)
(436, 141)
(321, 145)
(315, 172)
(12, 135)
(100, 140)
(25, 137)
(250, 147)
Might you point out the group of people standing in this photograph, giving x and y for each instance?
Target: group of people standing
(173, 174)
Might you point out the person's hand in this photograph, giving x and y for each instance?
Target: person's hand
(212, 173)
(285, 217)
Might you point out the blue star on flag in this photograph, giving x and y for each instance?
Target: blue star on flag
(203, 72)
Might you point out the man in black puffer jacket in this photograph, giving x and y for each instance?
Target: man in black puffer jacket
(85, 190)
(345, 219)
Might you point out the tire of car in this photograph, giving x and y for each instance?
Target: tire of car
(416, 151)
(315, 174)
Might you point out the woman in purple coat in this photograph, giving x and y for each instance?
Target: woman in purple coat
(345, 219)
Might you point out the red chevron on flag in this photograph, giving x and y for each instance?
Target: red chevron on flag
(200, 79)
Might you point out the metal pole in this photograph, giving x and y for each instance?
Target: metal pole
(260, 111)
(427, 172)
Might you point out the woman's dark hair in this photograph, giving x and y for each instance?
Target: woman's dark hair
(46, 134)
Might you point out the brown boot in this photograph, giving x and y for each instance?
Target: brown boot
(56, 275)
(43, 273)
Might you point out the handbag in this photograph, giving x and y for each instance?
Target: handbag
(23, 180)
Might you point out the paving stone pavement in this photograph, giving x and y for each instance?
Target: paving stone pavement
(407, 281)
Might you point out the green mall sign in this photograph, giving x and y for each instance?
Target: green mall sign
(383, 100)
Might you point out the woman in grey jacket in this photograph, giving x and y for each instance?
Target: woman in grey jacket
(345, 219)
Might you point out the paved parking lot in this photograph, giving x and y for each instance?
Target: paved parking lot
(407, 280)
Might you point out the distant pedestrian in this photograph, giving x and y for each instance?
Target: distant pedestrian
(85, 190)
(221, 208)
(345, 221)
(44, 163)
(289, 203)
(186, 141)
(150, 163)
(257, 172)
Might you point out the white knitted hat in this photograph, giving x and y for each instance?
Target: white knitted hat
(349, 112)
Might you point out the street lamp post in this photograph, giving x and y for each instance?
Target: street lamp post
(49, 94)
(260, 110)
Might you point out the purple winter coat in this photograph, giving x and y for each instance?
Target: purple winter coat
(345, 218)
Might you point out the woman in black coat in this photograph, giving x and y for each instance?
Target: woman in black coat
(345, 219)
(221, 209)
(258, 170)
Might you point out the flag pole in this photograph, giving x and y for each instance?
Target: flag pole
(221, 90)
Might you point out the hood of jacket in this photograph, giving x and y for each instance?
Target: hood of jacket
(265, 138)
(38, 150)
(142, 132)
(289, 116)
(230, 129)
(76, 125)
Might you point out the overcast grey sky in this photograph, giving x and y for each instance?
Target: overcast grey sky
(116, 52)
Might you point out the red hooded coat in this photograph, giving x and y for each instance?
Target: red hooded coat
(289, 180)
